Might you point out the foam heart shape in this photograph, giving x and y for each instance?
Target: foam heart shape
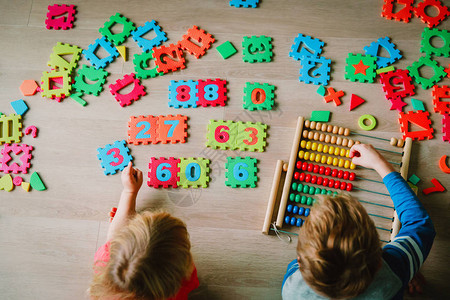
(6, 183)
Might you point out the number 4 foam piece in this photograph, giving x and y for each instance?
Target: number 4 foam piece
(241, 172)
(421, 11)
(437, 187)
(257, 49)
(419, 118)
(127, 99)
(163, 172)
(60, 16)
(202, 41)
(172, 129)
(36, 182)
(320, 115)
(19, 106)
(6, 183)
(193, 172)
(226, 49)
(114, 157)
(29, 87)
(355, 101)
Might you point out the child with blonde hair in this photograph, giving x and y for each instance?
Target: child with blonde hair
(146, 256)
(339, 255)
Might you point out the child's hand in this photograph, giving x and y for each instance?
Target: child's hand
(366, 156)
(131, 179)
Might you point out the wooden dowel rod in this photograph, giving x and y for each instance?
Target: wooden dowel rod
(273, 196)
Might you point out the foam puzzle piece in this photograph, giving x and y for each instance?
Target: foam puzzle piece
(183, 94)
(123, 52)
(397, 83)
(385, 70)
(437, 187)
(17, 181)
(146, 44)
(143, 130)
(141, 65)
(49, 88)
(127, 99)
(402, 15)
(36, 182)
(163, 172)
(362, 122)
(439, 94)
(417, 104)
(29, 87)
(19, 106)
(322, 91)
(443, 165)
(397, 104)
(226, 49)
(221, 134)
(97, 76)
(31, 130)
(57, 60)
(94, 60)
(25, 186)
(425, 82)
(355, 101)
(6, 163)
(212, 92)
(10, 128)
(120, 37)
(193, 172)
(114, 157)
(203, 41)
(360, 68)
(251, 136)
(320, 116)
(414, 179)
(6, 183)
(446, 128)
(77, 97)
(333, 96)
(305, 46)
(419, 118)
(241, 172)
(315, 70)
(374, 48)
(172, 129)
(259, 96)
(168, 58)
(244, 3)
(60, 16)
(431, 20)
(430, 34)
(257, 49)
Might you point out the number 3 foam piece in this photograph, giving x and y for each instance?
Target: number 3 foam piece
(212, 92)
(202, 41)
(57, 18)
(117, 38)
(114, 157)
(6, 163)
(193, 172)
(258, 96)
(168, 58)
(305, 46)
(163, 172)
(97, 62)
(172, 129)
(241, 172)
(146, 44)
(134, 95)
(183, 94)
(257, 49)
(57, 60)
(251, 136)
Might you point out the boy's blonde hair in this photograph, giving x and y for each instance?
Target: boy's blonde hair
(338, 247)
(148, 259)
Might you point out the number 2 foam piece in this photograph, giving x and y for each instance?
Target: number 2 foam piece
(241, 172)
(114, 157)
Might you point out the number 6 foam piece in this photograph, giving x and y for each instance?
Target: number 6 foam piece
(163, 172)
(114, 157)
(241, 172)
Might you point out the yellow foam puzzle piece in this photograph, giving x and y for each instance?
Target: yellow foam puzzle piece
(123, 52)
(25, 186)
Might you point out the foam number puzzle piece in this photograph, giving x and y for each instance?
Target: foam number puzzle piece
(305, 46)
(417, 104)
(443, 165)
(6, 163)
(114, 157)
(56, 84)
(31, 130)
(315, 70)
(97, 76)
(320, 116)
(202, 41)
(57, 59)
(257, 49)
(19, 106)
(437, 187)
(60, 16)
(397, 104)
(212, 92)
(440, 93)
(10, 128)
(244, 3)
(127, 99)
(333, 96)
(29, 87)
(419, 118)
(402, 15)
(146, 44)
(168, 58)
(355, 101)
(446, 128)
(251, 136)
(163, 172)
(6, 183)
(183, 94)
(142, 130)
(241, 172)
(36, 182)
(433, 20)
(141, 66)
(427, 47)
(374, 48)
(117, 38)
(360, 68)
(77, 97)
(414, 71)
(397, 83)
(97, 62)
(258, 96)
(221, 134)
(172, 129)
(226, 49)
(193, 172)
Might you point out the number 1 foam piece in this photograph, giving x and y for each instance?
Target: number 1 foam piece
(355, 101)
(241, 172)
(10, 128)
(402, 15)
(19, 106)
(168, 58)
(419, 118)
(258, 96)
(315, 70)
(6, 163)
(305, 46)
(244, 3)
(439, 94)
(374, 49)
(6, 183)
(146, 44)
(320, 116)
(183, 94)
(257, 49)
(226, 49)
(36, 182)
(127, 99)
(414, 71)
(114, 157)
(95, 61)
(97, 76)
(437, 187)
(163, 172)
(360, 68)
(432, 20)
(211, 92)
(57, 59)
(203, 41)
(417, 104)
(397, 83)
(141, 64)
(56, 18)
(193, 172)
(49, 88)
(117, 38)
(427, 47)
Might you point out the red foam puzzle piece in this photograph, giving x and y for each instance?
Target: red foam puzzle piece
(168, 58)
(419, 118)
(437, 187)
(57, 20)
(159, 174)
(203, 41)
(439, 93)
(397, 83)
(334, 96)
(402, 15)
(221, 93)
(134, 95)
(355, 101)
(421, 12)
(397, 104)
(446, 128)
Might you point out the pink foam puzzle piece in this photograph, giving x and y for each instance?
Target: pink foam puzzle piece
(6, 164)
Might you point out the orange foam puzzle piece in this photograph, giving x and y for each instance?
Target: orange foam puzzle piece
(29, 87)
(172, 129)
(419, 118)
(142, 130)
(203, 41)
(334, 96)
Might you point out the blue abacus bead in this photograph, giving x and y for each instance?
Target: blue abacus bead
(306, 212)
(297, 198)
(299, 222)
(309, 201)
(303, 201)
(292, 197)
(301, 211)
(289, 208)
(299, 187)
(295, 209)
(293, 221)
(305, 189)
(287, 219)
(294, 186)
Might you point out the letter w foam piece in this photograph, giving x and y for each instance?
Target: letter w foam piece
(134, 95)
(57, 20)
(203, 41)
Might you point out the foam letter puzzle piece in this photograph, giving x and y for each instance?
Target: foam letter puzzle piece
(315, 70)
(172, 129)
(203, 41)
(19, 106)
(305, 46)
(244, 3)
(50, 81)
(334, 96)
(221, 134)
(440, 93)
(183, 94)
(60, 16)
(91, 74)
(360, 68)
(31, 130)
(396, 84)
(141, 65)
(226, 49)
(427, 47)
(193, 172)
(437, 187)
(258, 96)
(29, 87)
(6, 183)
(417, 104)
(446, 128)
(6, 163)
(257, 49)
(241, 172)
(355, 101)
(251, 136)
(443, 165)
(127, 99)
(374, 48)
(432, 20)
(163, 172)
(96, 61)
(114, 157)
(117, 38)
(401, 15)
(168, 58)
(10, 128)
(57, 59)
(36, 182)
(419, 118)
(426, 83)
(212, 92)
(142, 130)
(145, 44)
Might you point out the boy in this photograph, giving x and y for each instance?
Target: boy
(339, 253)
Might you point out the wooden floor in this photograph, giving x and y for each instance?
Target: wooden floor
(48, 239)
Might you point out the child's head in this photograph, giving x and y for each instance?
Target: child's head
(338, 247)
(148, 259)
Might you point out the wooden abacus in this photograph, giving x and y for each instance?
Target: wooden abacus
(323, 161)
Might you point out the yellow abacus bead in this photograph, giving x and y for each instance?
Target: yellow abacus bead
(325, 148)
(341, 152)
(335, 161)
(347, 153)
(319, 147)
(301, 154)
(347, 132)
(335, 129)
(312, 156)
(333, 140)
(312, 125)
(310, 135)
(308, 145)
(306, 157)
(393, 141)
(314, 146)
(324, 127)
(341, 163)
(316, 136)
(330, 150)
(307, 123)
(329, 160)
(318, 125)
(322, 137)
(344, 142)
(352, 166)
(318, 158)
(305, 134)
(357, 142)
(341, 131)
(338, 141)
(327, 138)
(347, 164)
(336, 151)
(303, 144)
(329, 128)
(323, 159)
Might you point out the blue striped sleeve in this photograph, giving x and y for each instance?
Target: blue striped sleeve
(292, 267)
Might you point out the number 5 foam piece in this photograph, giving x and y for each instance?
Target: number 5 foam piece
(193, 172)
(36, 182)
(172, 129)
(226, 49)
(251, 136)
(241, 172)
(163, 172)
(19, 106)
(221, 134)
(114, 157)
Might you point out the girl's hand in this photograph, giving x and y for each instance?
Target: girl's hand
(131, 179)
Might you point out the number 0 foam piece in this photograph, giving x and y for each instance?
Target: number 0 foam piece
(200, 178)
(427, 47)
(421, 12)
(443, 165)
(163, 172)
(19, 106)
(437, 187)
(258, 96)
(320, 115)
(114, 157)
(57, 20)
(127, 99)
(419, 118)
(36, 182)
(241, 172)
(6, 183)
(226, 49)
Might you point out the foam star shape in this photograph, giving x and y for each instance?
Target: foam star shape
(397, 104)
(360, 68)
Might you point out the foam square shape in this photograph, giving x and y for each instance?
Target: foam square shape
(257, 49)
(427, 47)
(114, 157)
(258, 96)
(397, 83)
(48, 87)
(306, 46)
(221, 134)
(136, 93)
(146, 44)
(6, 163)
(417, 104)
(402, 15)
(193, 172)
(10, 128)
(315, 70)
(168, 58)
(163, 172)
(58, 61)
(120, 37)
(172, 129)
(212, 92)
(251, 136)
(241, 172)
(360, 68)
(426, 83)
(60, 16)
(244, 3)
(226, 49)
(203, 41)
(439, 94)
(374, 49)
(96, 61)
(320, 116)
(183, 94)
(419, 118)
(143, 130)
(97, 76)
(141, 66)
(19, 106)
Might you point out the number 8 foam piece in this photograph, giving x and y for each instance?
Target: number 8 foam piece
(241, 172)
(202, 92)
(114, 157)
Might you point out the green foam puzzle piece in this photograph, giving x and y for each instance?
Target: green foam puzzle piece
(251, 136)
(36, 182)
(321, 91)
(92, 74)
(46, 80)
(426, 83)
(141, 64)
(258, 96)
(428, 48)
(6, 183)
(320, 115)
(117, 38)
(57, 61)
(417, 104)
(257, 49)
(186, 165)
(241, 172)
(226, 49)
(360, 68)
(414, 179)
(77, 98)
(222, 134)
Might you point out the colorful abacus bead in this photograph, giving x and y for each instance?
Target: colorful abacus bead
(295, 209)
(299, 222)
(301, 211)
(289, 208)
(307, 210)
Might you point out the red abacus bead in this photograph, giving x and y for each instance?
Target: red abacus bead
(351, 176)
(304, 166)
(343, 186)
(340, 174)
(349, 187)
(308, 177)
(337, 184)
(325, 182)
(296, 175)
(346, 173)
(331, 183)
(316, 169)
(327, 171)
(321, 170)
(334, 173)
(299, 165)
(310, 167)
(319, 180)
(302, 176)
(313, 179)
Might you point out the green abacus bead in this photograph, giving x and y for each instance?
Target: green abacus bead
(309, 201)
(314, 201)
(329, 192)
(297, 198)
(299, 187)
(324, 192)
(335, 193)
(294, 186)
(305, 189)
(292, 196)
(312, 190)
(318, 191)
(303, 201)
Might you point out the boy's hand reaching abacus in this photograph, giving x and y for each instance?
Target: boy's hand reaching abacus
(367, 156)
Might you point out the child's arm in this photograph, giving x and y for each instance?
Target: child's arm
(131, 181)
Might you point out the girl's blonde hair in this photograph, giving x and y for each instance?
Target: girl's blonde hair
(148, 259)
(338, 247)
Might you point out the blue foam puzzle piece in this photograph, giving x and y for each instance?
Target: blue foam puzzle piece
(305, 46)
(145, 44)
(394, 54)
(114, 157)
(244, 3)
(321, 72)
(97, 62)
(19, 106)
(191, 102)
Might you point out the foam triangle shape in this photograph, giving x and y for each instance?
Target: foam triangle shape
(356, 101)
(123, 52)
